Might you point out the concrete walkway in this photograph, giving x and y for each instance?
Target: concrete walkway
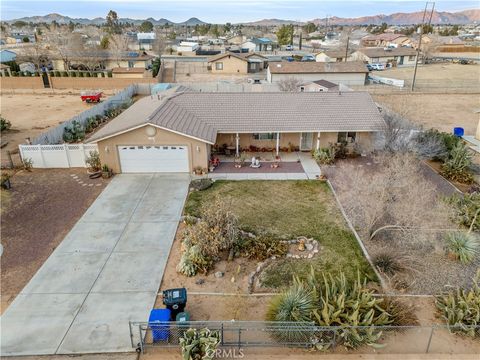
(106, 272)
(309, 164)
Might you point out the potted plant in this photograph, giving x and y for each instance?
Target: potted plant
(106, 172)
(94, 164)
(197, 170)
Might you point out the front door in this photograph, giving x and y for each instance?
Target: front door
(306, 140)
(401, 60)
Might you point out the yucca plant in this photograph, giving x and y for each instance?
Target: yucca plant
(388, 262)
(463, 246)
(199, 344)
(457, 166)
(295, 304)
(461, 309)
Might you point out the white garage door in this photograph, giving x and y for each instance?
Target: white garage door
(145, 159)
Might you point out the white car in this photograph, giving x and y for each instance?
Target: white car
(378, 67)
(289, 48)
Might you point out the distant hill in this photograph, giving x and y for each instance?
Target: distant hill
(439, 17)
(459, 18)
(61, 19)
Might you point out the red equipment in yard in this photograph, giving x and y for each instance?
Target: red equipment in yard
(91, 97)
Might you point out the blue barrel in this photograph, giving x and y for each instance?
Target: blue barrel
(458, 131)
(157, 322)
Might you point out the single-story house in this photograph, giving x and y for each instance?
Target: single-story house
(331, 56)
(258, 44)
(17, 38)
(348, 73)
(385, 40)
(145, 40)
(187, 48)
(396, 56)
(318, 85)
(7, 56)
(177, 132)
(104, 60)
(233, 63)
(129, 73)
(5, 69)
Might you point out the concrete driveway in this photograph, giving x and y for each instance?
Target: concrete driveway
(106, 272)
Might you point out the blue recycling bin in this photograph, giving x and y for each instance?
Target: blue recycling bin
(157, 322)
(458, 131)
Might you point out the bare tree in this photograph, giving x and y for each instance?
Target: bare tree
(118, 45)
(35, 53)
(289, 84)
(394, 195)
(159, 44)
(67, 45)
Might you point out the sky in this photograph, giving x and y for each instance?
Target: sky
(221, 11)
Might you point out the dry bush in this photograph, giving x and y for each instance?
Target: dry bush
(290, 84)
(392, 196)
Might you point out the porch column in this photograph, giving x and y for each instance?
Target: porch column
(237, 145)
(318, 140)
(277, 147)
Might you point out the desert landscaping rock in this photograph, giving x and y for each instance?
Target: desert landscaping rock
(219, 274)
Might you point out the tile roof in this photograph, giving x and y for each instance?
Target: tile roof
(297, 67)
(229, 54)
(203, 115)
(384, 37)
(381, 52)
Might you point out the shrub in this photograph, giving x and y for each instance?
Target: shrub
(28, 164)
(4, 124)
(463, 246)
(93, 161)
(457, 166)
(461, 308)
(388, 262)
(325, 156)
(201, 184)
(80, 74)
(263, 247)
(109, 74)
(73, 74)
(73, 133)
(466, 210)
(199, 344)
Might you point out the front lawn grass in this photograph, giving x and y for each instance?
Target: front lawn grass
(289, 209)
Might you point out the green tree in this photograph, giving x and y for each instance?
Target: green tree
(215, 32)
(227, 27)
(71, 26)
(146, 26)
(105, 42)
(25, 39)
(285, 35)
(310, 27)
(113, 26)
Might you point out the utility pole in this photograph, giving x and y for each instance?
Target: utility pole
(346, 50)
(420, 40)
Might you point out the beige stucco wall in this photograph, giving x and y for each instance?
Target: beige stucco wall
(337, 78)
(131, 75)
(231, 65)
(198, 151)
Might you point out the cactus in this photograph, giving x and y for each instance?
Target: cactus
(463, 246)
(199, 344)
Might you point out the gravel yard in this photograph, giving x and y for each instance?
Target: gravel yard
(42, 207)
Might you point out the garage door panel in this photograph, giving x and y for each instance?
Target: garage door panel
(135, 159)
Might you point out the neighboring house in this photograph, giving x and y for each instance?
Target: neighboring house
(17, 38)
(331, 56)
(232, 63)
(384, 40)
(104, 60)
(396, 56)
(187, 48)
(129, 73)
(27, 67)
(7, 56)
(318, 85)
(5, 69)
(145, 40)
(258, 44)
(348, 73)
(177, 132)
(235, 40)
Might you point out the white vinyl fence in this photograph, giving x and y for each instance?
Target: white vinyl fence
(57, 156)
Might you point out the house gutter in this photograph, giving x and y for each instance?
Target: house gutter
(359, 240)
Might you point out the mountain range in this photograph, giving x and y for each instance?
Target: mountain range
(61, 19)
(438, 17)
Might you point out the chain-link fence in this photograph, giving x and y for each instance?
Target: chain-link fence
(381, 339)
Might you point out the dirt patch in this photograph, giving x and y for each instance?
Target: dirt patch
(43, 205)
(32, 115)
(438, 111)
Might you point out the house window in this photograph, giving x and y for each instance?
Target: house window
(264, 136)
(348, 137)
(219, 66)
(411, 58)
(375, 60)
(302, 88)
